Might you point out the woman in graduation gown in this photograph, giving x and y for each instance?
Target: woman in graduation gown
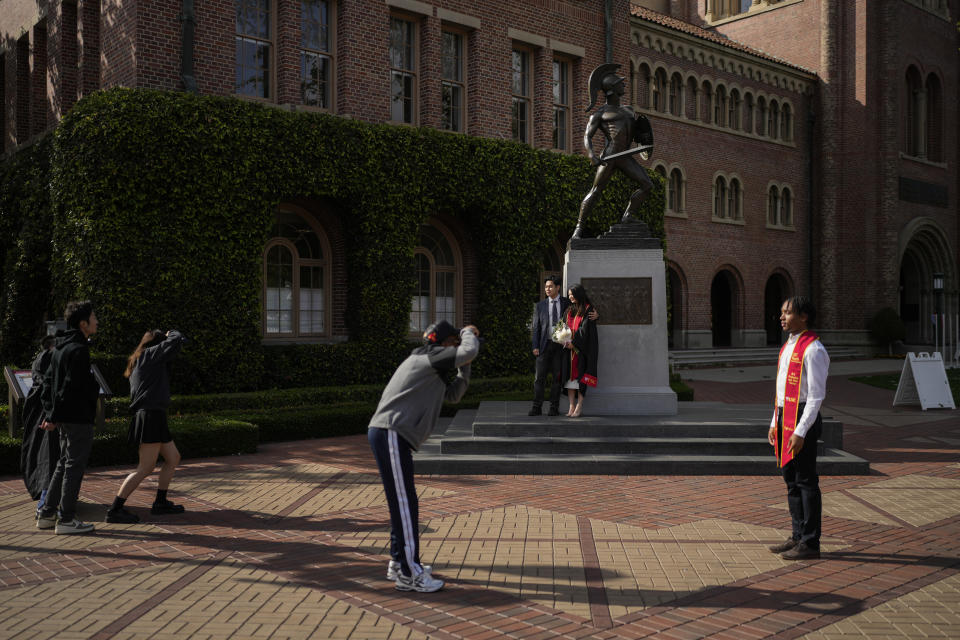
(580, 366)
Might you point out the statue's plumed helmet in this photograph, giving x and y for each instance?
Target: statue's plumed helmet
(603, 78)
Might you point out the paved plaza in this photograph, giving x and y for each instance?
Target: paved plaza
(292, 543)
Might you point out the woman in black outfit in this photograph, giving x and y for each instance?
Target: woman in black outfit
(580, 366)
(149, 399)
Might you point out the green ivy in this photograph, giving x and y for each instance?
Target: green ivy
(162, 203)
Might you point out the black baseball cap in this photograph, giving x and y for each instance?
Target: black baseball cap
(440, 331)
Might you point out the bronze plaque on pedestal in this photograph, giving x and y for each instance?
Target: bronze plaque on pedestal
(621, 300)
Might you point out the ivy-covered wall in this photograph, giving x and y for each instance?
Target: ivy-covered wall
(25, 230)
(163, 201)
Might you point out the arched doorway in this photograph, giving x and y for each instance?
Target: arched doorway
(776, 291)
(674, 335)
(721, 308)
(924, 251)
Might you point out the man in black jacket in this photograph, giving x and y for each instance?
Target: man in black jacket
(70, 406)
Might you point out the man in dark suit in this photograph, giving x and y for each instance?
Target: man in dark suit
(548, 353)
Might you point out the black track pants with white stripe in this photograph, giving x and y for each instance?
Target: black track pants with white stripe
(395, 461)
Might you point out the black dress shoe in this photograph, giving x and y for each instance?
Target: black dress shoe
(801, 552)
(536, 411)
(166, 507)
(786, 545)
(554, 411)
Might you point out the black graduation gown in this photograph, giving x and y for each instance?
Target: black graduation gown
(585, 341)
(40, 450)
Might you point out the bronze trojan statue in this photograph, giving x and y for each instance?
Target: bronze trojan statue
(620, 127)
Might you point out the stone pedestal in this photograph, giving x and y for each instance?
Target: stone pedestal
(624, 274)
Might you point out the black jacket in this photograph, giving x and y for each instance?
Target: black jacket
(542, 330)
(150, 380)
(70, 390)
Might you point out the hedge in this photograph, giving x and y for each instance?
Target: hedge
(163, 202)
(196, 436)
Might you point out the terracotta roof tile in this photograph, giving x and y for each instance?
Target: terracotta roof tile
(679, 25)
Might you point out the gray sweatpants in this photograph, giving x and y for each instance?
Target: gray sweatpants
(75, 443)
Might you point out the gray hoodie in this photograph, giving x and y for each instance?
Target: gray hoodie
(411, 402)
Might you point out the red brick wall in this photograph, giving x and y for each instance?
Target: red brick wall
(119, 47)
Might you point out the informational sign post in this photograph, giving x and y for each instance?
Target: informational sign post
(923, 381)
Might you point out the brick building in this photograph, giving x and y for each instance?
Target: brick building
(808, 145)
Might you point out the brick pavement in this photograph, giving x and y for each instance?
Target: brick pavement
(291, 543)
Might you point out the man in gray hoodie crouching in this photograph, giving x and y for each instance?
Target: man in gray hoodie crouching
(406, 416)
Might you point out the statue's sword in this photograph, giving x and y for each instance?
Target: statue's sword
(628, 152)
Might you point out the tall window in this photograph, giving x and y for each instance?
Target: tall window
(934, 119)
(403, 71)
(676, 93)
(436, 295)
(734, 196)
(675, 192)
(748, 113)
(773, 207)
(453, 85)
(561, 105)
(719, 197)
(733, 114)
(761, 118)
(659, 90)
(295, 270)
(316, 46)
(522, 95)
(706, 107)
(720, 106)
(786, 123)
(786, 208)
(253, 48)
(773, 120)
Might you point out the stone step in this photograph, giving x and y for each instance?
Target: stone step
(703, 439)
(833, 462)
(590, 445)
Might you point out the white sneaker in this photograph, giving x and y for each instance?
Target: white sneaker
(73, 526)
(393, 570)
(424, 583)
(46, 522)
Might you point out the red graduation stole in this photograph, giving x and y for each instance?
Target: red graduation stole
(791, 394)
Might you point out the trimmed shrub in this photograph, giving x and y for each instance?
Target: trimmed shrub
(886, 327)
(196, 437)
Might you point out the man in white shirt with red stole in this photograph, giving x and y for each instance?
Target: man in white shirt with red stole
(796, 426)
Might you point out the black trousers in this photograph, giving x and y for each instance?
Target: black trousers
(550, 360)
(803, 485)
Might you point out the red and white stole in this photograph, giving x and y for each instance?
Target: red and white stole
(791, 393)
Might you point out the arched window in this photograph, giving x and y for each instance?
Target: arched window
(676, 94)
(734, 201)
(916, 110)
(675, 194)
(761, 118)
(690, 105)
(733, 114)
(773, 119)
(719, 197)
(748, 113)
(934, 119)
(786, 208)
(659, 90)
(773, 207)
(720, 106)
(643, 86)
(437, 295)
(295, 276)
(706, 107)
(786, 123)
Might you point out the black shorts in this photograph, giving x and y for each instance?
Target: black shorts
(149, 426)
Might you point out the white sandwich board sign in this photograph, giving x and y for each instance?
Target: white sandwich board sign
(923, 381)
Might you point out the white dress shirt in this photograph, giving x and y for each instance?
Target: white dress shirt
(813, 382)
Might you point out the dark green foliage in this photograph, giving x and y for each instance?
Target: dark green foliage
(683, 391)
(25, 230)
(886, 327)
(196, 436)
(164, 201)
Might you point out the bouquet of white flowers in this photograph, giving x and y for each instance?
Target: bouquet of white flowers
(561, 333)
